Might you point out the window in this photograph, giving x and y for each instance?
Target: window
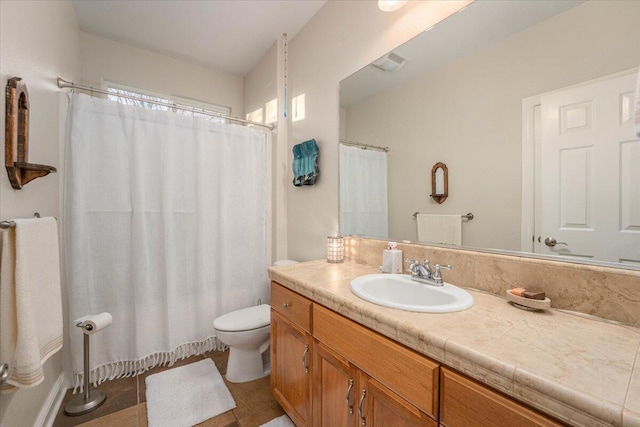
(255, 116)
(271, 108)
(117, 93)
(297, 107)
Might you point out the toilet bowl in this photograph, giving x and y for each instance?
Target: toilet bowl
(247, 332)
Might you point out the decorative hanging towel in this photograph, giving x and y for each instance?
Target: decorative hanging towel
(305, 163)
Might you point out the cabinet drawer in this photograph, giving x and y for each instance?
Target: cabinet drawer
(411, 375)
(466, 402)
(291, 305)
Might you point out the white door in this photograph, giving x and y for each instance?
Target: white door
(590, 172)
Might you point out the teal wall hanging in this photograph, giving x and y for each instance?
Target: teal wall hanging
(305, 163)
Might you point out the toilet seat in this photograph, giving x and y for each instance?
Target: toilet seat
(245, 319)
(284, 262)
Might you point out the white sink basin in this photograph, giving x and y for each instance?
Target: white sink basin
(399, 291)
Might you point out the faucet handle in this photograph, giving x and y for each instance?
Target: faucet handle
(414, 263)
(436, 276)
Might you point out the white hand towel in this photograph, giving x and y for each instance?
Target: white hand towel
(445, 229)
(30, 301)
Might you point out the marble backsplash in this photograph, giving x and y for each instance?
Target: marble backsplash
(609, 293)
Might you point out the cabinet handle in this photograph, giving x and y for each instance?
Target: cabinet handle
(349, 404)
(360, 405)
(305, 359)
(285, 304)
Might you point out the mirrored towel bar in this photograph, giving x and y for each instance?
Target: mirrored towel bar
(11, 224)
(468, 216)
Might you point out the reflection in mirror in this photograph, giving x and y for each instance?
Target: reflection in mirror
(363, 189)
(439, 182)
(531, 103)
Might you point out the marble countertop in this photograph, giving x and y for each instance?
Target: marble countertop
(581, 370)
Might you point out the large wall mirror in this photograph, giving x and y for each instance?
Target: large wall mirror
(530, 105)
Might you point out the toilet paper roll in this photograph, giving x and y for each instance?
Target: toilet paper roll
(94, 322)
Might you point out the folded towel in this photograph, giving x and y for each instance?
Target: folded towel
(30, 302)
(305, 163)
(445, 229)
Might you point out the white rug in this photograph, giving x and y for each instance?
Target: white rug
(282, 421)
(186, 395)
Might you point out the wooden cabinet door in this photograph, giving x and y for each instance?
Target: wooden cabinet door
(404, 371)
(381, 407)
(465, 402)
(291, 368)
(335, 393)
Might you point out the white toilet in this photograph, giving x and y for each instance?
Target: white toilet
(247, 333)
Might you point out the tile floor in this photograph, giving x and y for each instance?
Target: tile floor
(126, 401)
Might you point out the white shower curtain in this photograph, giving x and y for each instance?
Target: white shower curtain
(164, 228)
(363, 192)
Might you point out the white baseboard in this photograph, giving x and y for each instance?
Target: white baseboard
(51, 405)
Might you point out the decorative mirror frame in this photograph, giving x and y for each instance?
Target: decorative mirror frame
(439, 197)
(16, 161)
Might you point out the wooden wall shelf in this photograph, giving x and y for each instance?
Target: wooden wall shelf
(16, 159)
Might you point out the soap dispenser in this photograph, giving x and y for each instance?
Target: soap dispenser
(391, 259)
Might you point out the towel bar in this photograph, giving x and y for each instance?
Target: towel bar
(468, 216)
(10, 224)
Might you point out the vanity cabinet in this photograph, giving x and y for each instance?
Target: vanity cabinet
(465, 402)
(368, 379)
(328, 371)
(291, 343)
(383, 407)
(335, 389)
(343, 395)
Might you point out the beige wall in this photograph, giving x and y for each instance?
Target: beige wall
(341, 38)
(261, 85)
(39, 41)
(106, 60)
(469, 115)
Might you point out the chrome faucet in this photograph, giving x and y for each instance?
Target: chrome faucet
(417, 270)
(422, 272)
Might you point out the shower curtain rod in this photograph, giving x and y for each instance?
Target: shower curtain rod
(364, 146)
(63, 84)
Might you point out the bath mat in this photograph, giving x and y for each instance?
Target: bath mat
(282, 421)
(186, 395)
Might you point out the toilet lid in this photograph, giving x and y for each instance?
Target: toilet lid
(244, 319)
(284, 262)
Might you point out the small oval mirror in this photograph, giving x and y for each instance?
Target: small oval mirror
(439, 182)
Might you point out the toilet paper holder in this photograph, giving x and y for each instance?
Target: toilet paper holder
(89, 400)
(86, 327)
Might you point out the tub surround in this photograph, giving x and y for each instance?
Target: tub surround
(580, 370)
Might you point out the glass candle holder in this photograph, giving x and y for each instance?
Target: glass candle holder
(335, 249)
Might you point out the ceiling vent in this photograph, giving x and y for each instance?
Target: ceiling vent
(390, 62)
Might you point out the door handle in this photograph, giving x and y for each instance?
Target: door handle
(551, 242)
(305, 359)
(360, 409)
(349, 389)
